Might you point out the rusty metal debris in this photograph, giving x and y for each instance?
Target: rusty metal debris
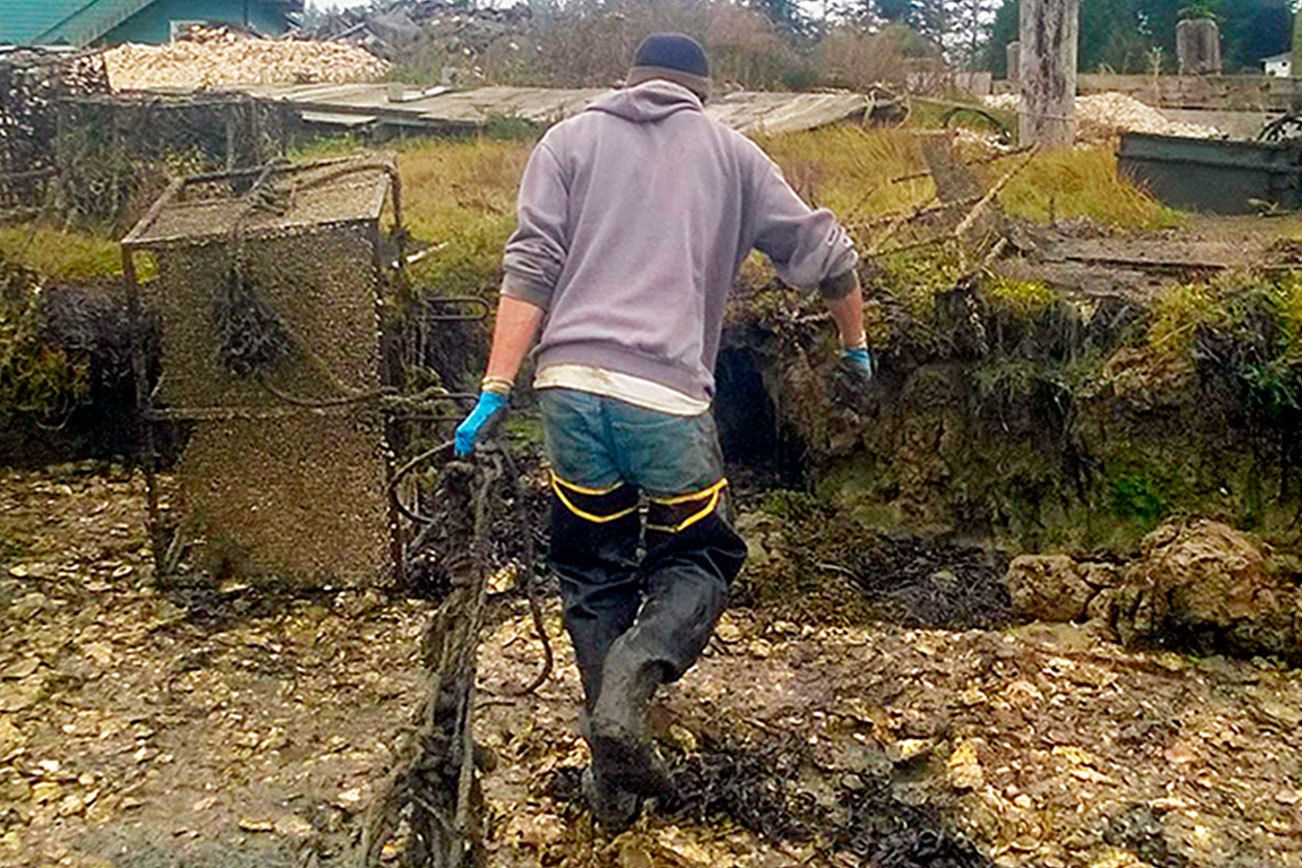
(394, 28)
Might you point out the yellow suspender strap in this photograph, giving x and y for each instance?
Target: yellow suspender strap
(594, 492)
(714, 492)
(686, 498)
(557, 484)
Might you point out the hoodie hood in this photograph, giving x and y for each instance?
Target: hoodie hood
(648, 102)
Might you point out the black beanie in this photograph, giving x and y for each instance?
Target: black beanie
(675, 57)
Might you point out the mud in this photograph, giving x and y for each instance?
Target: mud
(235, 727)
(758, 787)
(921, 583)
(914, 580)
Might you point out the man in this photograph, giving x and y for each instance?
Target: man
(634, 218)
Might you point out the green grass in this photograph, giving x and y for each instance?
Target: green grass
(61, 255)
(1288, 304)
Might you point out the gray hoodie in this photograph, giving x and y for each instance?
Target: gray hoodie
(634, 217)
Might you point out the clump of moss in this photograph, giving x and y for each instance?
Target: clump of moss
(1177, 314)
(1135, 497)
(1021, 298)
(915, 278)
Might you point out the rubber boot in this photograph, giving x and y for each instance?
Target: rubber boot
(687, 574)
(623, 751)
(597, 565)
(613, 807)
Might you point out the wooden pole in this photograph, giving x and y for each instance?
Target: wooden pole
(1013, 53)
(1198, 46)
(1296, 71)
(1049, 33)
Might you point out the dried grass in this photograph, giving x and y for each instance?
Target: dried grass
(1084, 184)
(460, 195)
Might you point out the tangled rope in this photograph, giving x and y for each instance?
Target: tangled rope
(433, 785)
(527, 557)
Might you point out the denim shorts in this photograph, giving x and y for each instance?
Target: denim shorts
(599, 442)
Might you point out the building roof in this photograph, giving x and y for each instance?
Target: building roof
(71, 22)
(1276, 58)
(75, 22)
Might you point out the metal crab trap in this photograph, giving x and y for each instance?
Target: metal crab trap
(267, 297)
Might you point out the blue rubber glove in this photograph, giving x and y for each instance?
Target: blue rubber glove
(853, 377)
(860, 363)
(490, 404)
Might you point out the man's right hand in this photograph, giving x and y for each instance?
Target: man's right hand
(855, 371)
(489, 407)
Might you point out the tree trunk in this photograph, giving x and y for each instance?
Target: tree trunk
(1049, 31)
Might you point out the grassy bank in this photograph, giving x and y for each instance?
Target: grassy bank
(459, 199)
(459, 195)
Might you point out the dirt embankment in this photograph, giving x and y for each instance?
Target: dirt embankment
(1051, 417)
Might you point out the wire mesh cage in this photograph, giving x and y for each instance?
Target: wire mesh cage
(110, 147)
(267, 293)
(32, 82)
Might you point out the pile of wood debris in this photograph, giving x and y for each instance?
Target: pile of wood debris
(218, 57)
(1103, 116)
(395, 29)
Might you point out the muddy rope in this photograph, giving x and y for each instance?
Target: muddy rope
(528, 557)
(432, 786)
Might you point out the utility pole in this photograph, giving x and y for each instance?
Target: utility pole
(1049, 33)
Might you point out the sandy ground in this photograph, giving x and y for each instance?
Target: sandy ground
(227, 726)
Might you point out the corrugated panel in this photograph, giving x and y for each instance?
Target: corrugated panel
(747, 111)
